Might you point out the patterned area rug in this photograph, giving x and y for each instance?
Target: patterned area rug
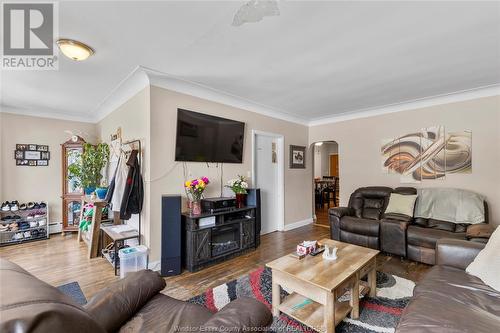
(379, 314)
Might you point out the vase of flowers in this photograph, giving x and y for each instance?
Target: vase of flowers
(239, 186)
(194, 190)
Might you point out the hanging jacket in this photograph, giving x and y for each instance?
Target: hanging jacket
(133, 194)
(117, 186)
(111, 187)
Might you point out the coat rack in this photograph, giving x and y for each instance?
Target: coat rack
(139, 148)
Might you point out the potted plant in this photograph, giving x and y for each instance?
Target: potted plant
(194, 190)
(239, 186)
(102, 189)
(85, 172)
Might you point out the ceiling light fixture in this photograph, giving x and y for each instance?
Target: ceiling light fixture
(318, 144)
(74, 50)
(255, 11)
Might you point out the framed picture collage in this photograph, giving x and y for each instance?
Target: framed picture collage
(32, 155)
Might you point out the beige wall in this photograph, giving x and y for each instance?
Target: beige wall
(167, 175)
(35, 183)
(359, 146)
(133, 118)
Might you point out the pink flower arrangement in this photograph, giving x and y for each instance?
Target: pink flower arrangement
(195, 187)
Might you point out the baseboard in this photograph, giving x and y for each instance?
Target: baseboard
(298, 224)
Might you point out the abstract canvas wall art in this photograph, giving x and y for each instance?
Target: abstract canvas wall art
(430, 153)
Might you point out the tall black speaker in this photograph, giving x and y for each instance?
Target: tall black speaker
(253, 199)
(171, 235)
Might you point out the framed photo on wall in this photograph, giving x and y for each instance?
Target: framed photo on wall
(31, 155)
(297, 157)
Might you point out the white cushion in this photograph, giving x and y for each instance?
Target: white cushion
(486, 265)
(401, 204)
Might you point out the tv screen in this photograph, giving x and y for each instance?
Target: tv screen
(204, 138)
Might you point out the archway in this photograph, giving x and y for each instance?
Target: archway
(326, 180)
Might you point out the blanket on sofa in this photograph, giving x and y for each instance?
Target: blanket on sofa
(450, 204)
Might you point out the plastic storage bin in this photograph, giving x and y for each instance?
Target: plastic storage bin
(133, 259)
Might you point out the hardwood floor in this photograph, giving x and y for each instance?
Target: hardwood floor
(322, 217)
(61, 259)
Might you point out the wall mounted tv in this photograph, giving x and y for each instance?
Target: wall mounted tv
(205, 138)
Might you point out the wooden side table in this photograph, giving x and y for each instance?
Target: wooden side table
(117, 237)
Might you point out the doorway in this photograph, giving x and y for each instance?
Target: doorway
(326, 179)
(268, 170)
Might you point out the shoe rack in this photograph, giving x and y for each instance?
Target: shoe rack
(24, 225)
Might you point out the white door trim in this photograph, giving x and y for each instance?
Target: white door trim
(281, 172)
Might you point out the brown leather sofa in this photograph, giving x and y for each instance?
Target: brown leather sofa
(450, 300)
(133, 304)
(423, 234)
(364, 223)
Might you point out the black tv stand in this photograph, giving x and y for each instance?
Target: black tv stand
(211, 238)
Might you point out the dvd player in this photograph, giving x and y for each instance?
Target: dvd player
(214, 205)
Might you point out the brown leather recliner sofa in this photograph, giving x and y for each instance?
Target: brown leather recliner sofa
(133, 304)
(361, 222)
(365, 223)
(450, 300)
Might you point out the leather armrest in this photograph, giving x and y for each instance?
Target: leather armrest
(339, 212)
(456, 253)
(117, 303)
(481, 230)
(334, 216)
(242, 314)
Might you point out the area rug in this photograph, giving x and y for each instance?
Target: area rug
(74, 291)
(379, 314)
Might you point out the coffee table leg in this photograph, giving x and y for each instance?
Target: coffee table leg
(372, 281)
(329, 315)
(276, 298)
(354, 302)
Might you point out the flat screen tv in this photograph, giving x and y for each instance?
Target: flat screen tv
(205, 138)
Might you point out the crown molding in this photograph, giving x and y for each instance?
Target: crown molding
(199, 90)
(454, 97)
(142, 77)
(45, 113)
(133, 83)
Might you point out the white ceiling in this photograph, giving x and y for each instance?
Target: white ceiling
(316, 60)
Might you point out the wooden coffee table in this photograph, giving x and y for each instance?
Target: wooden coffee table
(317, 284)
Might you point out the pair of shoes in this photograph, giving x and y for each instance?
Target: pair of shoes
(39, 213)
(18, 236)
(12, 206)
(24, 225)
(27, 234)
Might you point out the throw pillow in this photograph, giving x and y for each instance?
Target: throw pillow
(401, 204)
(486, 265)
